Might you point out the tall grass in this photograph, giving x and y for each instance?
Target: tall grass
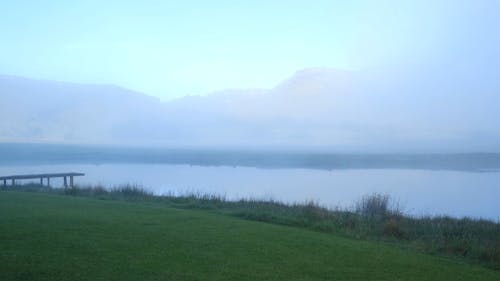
(373, 217)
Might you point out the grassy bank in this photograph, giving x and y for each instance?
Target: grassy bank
(53, 237)
(375, 218)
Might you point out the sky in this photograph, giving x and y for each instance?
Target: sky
(171, 49)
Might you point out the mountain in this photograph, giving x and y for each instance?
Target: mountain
(315, 108)
(35, 110)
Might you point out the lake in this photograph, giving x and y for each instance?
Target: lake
(419, 192)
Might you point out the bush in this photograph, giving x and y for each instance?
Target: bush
(374, 206)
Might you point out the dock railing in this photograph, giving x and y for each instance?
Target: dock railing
(47, 177)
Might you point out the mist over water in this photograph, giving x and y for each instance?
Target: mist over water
(423, 184)
(374, 121)
(322, 100)
(419, 192)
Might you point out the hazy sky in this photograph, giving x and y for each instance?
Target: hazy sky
(174, 48)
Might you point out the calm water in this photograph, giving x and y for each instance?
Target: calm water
(420, 192)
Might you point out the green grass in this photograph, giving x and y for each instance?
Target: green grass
(53, 237)
(375, 218)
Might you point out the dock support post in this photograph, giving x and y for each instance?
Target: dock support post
(41, 181)
(4, 182)
(48, 181)
(65, 182)
(71, 181)
(13, 182)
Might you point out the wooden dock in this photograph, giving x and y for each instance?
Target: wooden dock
(14, 178)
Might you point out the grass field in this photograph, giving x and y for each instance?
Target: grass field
(375, 218)
(54, 237)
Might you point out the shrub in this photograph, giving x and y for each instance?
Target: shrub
(373, 206)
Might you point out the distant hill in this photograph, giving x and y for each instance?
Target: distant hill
(315, 108)
(34, 110)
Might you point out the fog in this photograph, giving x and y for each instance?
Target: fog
(345, 77)
(296, 100)
(316, 108)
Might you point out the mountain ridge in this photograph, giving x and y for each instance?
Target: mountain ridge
(314, 107)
